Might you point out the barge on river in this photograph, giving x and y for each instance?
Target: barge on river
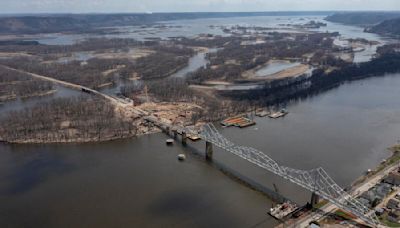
(284, 210)
(238, 121)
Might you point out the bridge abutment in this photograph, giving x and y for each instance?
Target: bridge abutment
(184, 138)
(314, 199)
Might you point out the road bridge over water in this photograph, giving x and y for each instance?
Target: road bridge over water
(316, 180)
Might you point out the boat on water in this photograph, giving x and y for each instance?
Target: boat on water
(169, 141)
(262, 113)
(279, 114)
(181, 157)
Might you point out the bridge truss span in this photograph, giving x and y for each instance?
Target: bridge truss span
(316, 180)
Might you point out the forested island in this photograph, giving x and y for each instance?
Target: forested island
(362, 18)
(387, 27)
(320, 81)
(80, 119)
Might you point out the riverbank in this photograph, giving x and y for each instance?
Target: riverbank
(39, 94)
(73, 128)
(77, 119)
(285, 90)
(390, 161)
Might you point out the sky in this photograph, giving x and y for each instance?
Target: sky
(111, 6)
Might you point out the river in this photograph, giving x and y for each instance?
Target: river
(139, 182)
(195, 62)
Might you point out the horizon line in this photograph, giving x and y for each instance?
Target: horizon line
(184, 12)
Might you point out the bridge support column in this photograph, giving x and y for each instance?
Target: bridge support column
(184, 138)
(314, 199)
(209, 151)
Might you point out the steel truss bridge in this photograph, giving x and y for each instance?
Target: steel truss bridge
(316, 180)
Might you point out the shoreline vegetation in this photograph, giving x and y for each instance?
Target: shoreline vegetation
(77, 119)
(283, 91)
(28, 96)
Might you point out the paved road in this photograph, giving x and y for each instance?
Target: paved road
(63, 83)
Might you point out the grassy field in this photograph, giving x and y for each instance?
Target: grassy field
(388, 223)
(320, 204)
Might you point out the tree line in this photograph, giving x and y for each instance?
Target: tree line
(89, 74)
(284, 91)
(75, 119)
(15, 85)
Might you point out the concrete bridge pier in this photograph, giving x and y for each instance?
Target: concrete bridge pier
(184, 138)
(209, 151)
(314, 199)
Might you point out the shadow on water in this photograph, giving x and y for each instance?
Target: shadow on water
(33, 171)
(239, 177)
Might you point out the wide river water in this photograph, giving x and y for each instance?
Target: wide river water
(139, 182)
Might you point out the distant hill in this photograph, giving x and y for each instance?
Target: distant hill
(84, 22)
(362, 18)
(31, 24)
(389, 27)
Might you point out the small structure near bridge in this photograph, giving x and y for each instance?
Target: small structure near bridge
(281, 211)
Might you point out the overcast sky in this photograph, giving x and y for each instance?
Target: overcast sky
(79, 6)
